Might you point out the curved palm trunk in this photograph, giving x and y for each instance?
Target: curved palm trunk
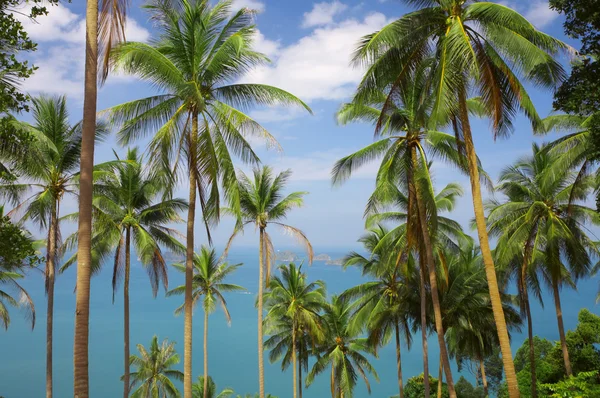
(332, 382)
(126, 351)
(424, 329)
(561, 329)
(189, 266)
(440, 379)
(399, 362)
(294, 361)
(50, 273)
(490, 270)
(484, 379)
(205, 353)
(84, 246)
(261, 364)
(437, 312)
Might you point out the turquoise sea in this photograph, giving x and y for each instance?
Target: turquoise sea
(232, 350)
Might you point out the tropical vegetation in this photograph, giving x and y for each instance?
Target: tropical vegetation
(426, 76)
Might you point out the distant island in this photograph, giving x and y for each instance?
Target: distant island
(338, 261)
(286, 256)
(322, 257)
(328, 260)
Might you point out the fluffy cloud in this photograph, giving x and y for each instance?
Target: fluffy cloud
(322, 14)
(318, 65)
(538, 12)
(251, 4)
(60, 59)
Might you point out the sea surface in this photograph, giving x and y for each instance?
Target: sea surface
(232, 349)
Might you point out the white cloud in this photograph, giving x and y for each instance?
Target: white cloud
(60, 59)
(318, 65)
(251, 4)
(322, 14)
(538, 12)
(276, 114)
(268, 47)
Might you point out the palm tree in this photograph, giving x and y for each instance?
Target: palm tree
(478, 48)
(129, 209)
(154, 371)
(382, 309)
(201, 48)
(542, 222)
(468, 316)
(405, 122)
(48, 168)
(9, 287)
(292, 297)
(104, 28)
(262, 204)
(342, 350)
(203, 389)
(209, 275)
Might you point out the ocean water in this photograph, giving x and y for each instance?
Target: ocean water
(232, 350)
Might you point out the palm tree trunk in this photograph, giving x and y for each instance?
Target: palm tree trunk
(561, 329)
(484, 379)
(332, 382)
(126, 351)
(294, 361)
(261, 364)
(437, 312)
(300, 373)
(490, 270)
(84, 246)
(50, 273)
(189, 265)
(205, 353)
(399, 362)
(440, 378)
(525, 298)
(424, 328)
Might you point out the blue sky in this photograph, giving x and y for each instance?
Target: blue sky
(310, 44)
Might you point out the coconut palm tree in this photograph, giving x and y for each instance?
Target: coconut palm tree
(198, 116)
(208, 285)
(129, 209)
(198, 389)
(542, 222)
(104, 27)
(291, 296)
(262, 204)
(478, 49)
(342, 351)
(409, 139)
(154, 371)
(381, 310)
(47, 167)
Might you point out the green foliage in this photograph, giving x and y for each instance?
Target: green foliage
(494, 370)
(14, 42)
(585, 384)
(198, 389)
(416, 389)
(464, 389)
(16, 246)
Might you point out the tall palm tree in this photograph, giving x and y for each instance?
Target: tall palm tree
(129, 209)
(342, 351)
(405, 123)
(381, 310)
(479, 47)
(48, 170)
(200, 49)
(262, 204)
(208, 284)
(202, 389)
(543, 223)
(154, 371)
(104, 27)
(291, 296)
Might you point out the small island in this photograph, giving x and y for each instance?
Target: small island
(286, 256)
(322, 257)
